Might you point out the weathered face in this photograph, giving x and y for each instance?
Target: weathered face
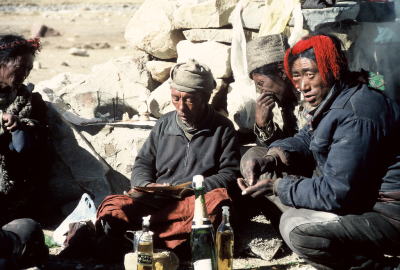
(189, 106)
(15, 71)
(308, 80)
(271, 84)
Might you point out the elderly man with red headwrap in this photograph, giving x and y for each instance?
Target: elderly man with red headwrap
(339, 188)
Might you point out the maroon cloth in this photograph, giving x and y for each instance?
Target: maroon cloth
(171, 220)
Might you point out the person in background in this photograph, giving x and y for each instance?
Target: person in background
(191, 140)
(341, 191)
(278, 113)
(22, 130)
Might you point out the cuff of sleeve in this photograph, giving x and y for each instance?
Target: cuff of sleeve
(264, 134)
(275, 187)
(281, 189)
(141, 184)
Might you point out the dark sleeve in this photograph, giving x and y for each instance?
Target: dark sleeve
(349, 171)
(228, 169)
(297, 148)
(144, 168)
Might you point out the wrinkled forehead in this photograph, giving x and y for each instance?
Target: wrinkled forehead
(19, 60)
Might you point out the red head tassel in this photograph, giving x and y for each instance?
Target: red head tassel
(326, 55)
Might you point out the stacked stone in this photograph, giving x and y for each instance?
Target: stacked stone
(172, 31)
(97, 157)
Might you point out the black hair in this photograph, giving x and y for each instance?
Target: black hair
(21, 47)
(306, 54)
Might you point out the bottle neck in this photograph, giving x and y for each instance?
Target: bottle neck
(225, 219)
(200, 213)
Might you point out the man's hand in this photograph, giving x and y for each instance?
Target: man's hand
(254, 167)
(264, 105)
(158, 185)
(10, 121)
(262, 187)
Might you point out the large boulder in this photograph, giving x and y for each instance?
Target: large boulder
(78, 167)
(160, 100)
(204, 14)
(118, 144)
(314, 18)
(219, 35)
(90, 157)
(215, 55)
(159, 70)
(116, 87)
(152, 30)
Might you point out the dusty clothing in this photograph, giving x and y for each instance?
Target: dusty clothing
(347, 214)
(171, 220)
(351, 142)
(20, 169)
(169, 157)
(330, 241)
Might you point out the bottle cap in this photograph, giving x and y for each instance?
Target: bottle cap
(146, 221)
(225, 210)
(198, 181)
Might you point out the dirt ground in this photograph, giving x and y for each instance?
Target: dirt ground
(98, 27)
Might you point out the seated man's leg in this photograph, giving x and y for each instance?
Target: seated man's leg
(115, 215)
(171, 220)
(329, 241)
(22, 244)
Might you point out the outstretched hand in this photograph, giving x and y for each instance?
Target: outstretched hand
(255, 167)
(262, 187)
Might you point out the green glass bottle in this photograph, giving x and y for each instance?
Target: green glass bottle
(145, 247)
(202, 235)
(224, 242)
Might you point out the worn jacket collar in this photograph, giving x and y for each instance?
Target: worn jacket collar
(174, 129)
(337, 98)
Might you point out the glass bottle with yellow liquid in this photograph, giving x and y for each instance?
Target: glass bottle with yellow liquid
(224, 242)
(145, 247)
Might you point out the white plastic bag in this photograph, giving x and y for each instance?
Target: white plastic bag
(242, 92)
(83, 212)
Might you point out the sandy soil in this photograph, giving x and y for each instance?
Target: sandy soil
(98, 26)
(80, 25)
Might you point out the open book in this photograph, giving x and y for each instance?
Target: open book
(177, 192)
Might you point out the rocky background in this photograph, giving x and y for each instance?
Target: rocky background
(104, 70)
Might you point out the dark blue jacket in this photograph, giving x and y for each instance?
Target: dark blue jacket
(351, 141)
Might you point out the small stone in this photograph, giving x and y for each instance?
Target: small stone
(78, 52)
(65, 64)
